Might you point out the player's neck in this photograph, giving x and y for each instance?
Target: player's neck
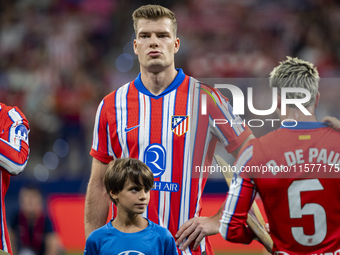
(298, 115)
(157, 82)
(129, 223)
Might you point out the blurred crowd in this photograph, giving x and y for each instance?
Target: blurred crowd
(59, 58)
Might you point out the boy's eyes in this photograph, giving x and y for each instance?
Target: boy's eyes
(137, 189)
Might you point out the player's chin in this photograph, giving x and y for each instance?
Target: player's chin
(155, 66)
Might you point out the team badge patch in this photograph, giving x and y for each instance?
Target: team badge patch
(155, 159)
(21, 133)
(179, 124)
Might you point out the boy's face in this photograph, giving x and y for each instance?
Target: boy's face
(132, 199)
(155, 44)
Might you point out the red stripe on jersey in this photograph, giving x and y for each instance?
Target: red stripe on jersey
(177, 168)
(132, 121)
(156, 118)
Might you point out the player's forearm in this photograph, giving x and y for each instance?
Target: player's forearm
(233, 225)
(96, 208)
(233, 222)
(236, 232)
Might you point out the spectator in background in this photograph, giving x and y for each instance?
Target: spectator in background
(14, 150)
(31, 228)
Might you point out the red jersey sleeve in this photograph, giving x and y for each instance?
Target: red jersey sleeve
(14, 145)
(105, 143)
(101, 143)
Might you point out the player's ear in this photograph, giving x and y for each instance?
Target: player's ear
(177, 44)
(135, 46)
(278, 102)
(317, 98)
(278, 106)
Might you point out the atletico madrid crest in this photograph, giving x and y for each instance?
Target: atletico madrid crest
(179, 124)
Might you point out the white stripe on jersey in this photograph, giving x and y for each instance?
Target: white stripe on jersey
(109, 145)
(121, 102)
(192, 111)
(186, 181)
(246, 155)
(237, 127)
(232, 199)
(144, 121)
(95, 142)
(167, 141)
(144, 128)
(216, 131)
(195, 116)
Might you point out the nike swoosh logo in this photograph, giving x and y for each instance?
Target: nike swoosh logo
(131, 128)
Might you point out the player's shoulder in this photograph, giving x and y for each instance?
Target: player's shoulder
(114, 92)
(204, 86)
(332, 131)
(11, 110)
(212, 92)
(6, 108)
(109, 100)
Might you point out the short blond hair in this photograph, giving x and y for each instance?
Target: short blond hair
(296, 73)
(153, 12)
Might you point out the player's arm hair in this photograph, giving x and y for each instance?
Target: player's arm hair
(238, 149)
(97, 201)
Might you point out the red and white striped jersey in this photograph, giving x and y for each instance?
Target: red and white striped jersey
(14, 151)
(169, 134)
(293, 170)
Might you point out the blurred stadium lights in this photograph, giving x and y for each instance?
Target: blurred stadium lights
(41, 173)
(124, 62)
(128, 48)
(50, 160)
(61, 148)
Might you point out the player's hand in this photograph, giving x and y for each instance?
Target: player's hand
(196, 229)
(335, 123)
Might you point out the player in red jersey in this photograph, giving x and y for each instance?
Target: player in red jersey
(157, 118)
(14, 150)
(292, 169)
